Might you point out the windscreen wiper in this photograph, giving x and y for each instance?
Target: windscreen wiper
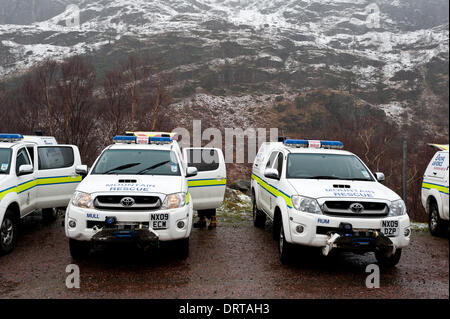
(122, 167)
(152, 167)
(324, 177)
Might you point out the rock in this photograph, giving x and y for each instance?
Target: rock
(241, 185)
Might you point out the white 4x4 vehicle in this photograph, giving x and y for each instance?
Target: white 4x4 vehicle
(318, 195)
(142, 190)
(435, 191)
(35, 173)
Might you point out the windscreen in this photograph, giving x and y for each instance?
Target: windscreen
(137, 162)
(5, 160)
(327, 166)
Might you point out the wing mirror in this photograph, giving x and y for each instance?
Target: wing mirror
(271, 173)
(191, 172)
(25, 170)
(81, 170)
(380, 177)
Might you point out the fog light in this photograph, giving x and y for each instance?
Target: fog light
(180, 224)
(407, 232)
(72, 223)
(110, 221)
(299, 229)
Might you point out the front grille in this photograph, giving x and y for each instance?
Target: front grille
(113, 202)
(342, 208)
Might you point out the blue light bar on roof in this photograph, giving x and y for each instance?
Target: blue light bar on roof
(314, 144)
(124, 139)
(332, 144)
(297, 143)
(160, 140)
(10, 137)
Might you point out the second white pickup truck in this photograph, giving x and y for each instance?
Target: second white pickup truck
(321, 196)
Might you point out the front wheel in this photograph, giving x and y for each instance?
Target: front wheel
(259, 218)
(435, 223)
(284, 248)
(388, 261)
(8, 233)
(79, 249)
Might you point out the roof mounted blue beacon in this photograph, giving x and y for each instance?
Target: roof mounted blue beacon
(332, 145)
(10, 138)
(296, 143)
(124, 139)
(160, 140)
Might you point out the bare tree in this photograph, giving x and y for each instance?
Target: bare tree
(75, 94)
(116, 100)
(45, 78)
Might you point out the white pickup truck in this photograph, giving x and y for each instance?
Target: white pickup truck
(35, 173)
(143, 189)
(435, 191)
(321, 196)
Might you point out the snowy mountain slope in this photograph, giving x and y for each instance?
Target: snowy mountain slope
(250, 45)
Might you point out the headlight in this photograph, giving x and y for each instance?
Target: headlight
(305, 204)
(82, 200)
(397, 208)
(174, 201)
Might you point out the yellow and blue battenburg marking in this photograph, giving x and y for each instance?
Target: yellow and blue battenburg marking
(207, 182)
(44, 181)
(187, 198)
(441, 188)
(273, 190)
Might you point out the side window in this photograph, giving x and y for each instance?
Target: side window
(204, 160)
(271, 160)
(22, 159)
(55, 157)
(31, 152)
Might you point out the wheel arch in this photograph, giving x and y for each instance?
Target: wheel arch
(281, 214)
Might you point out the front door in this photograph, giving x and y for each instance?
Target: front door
(208, 187)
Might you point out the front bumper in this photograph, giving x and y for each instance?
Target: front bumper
(318, 229)
(84, 218)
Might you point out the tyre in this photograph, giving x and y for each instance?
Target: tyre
(285, 249)
(9, 230)
(182, 248)
(436, 225)
(79, 249)
(259, 218)
(49, 215)
(391, 261)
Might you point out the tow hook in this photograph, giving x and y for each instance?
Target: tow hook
(330, 242)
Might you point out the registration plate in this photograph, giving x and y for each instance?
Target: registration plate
(159, 221)
(390, 227)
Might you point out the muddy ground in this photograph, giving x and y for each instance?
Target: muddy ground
(234, 261)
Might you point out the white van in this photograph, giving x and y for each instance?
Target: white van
(435, 191)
